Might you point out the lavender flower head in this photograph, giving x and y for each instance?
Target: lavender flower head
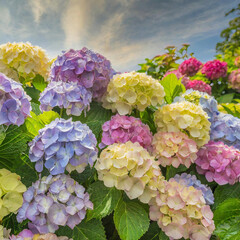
(63, 144)
(14, 102)
(54, 201)
(191, 180)
(87, 68)
(71, 96)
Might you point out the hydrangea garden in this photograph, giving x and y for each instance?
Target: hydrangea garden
(90, 153)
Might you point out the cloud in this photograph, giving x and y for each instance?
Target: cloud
(5, 23)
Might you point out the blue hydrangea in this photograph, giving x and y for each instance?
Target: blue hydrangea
(63, 144)
(54, 201)
(74, 98)
(191, 180)
(226, 128)
(14, 102)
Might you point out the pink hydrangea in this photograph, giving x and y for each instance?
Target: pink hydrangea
(181, 212)
(234, 79)
(199, 86)
(121, 129)
(184, 79)
(190, 67)
(174, 148)
(219, 163)
(214, 69)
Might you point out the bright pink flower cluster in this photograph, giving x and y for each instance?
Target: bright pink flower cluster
(190, 67)
(121, 129)
(214, 69)
(219, 163)
(199, 86)
(234, 79)
(184, 79)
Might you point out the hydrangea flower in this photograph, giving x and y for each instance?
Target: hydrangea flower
(174, 148)
(199, 85)
(63, 144)
(14, 102)
(226, 128)
(190, 67)
(129, 167)
(184, 117)
(219, 163)
(214, 69)
(4, 233)
(131, 90)
(237, 61)
(11, 191)
(54, 201)
(121, 129)
(181, 212)
(191, 180)
(184, 79)
(71, 96)
(89, 69)
(234, 80)
(22, 60)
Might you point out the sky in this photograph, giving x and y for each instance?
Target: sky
(124, 31)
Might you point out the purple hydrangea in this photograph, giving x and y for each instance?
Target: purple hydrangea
(54, 201)
(63, 144)
(74, 98)
(14, 102)
(190, 67)
(191, 180)
(87, 68)
(226, 128)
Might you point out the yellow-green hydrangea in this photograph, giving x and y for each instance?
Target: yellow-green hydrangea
(132, 90)
(129, 167)
(11, 191)
(22, 61)
(185, 117)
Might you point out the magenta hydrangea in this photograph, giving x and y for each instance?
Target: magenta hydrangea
(54, 201)
(219, 163)
(121, 129)
(199, 86)
(234, 80)
(184, 79)
(14, 102)
(190, 67)
(87, 68)
(214, 69)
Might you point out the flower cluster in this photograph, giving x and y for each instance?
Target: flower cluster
(234, 80)
(129, 167)
(22, 60)
(174, 148)
(131, 90)
(214, 69)
(4, 233)
(186, 117)
(219, 163)
(14, 102)
(121, 129)
(190, 67)
(191, 180)
(181, 212)
(89, 69)
(225, 128)
(11, 191)
(54, 201)
(71, 96)
(200, 86)
(184, 79)
(63, 144)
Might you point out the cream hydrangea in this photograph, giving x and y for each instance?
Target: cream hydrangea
(131, 90)
(129, 167)
(185, 117)
(4, 233)
(22, 61)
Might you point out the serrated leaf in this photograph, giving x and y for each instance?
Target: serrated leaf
(39, 83)
(104, 200)
(131, 220)
(227, 98)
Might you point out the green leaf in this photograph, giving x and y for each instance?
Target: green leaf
(172, 87)
(35, 108)
(131, 220)
(2, 133)
(227, 98)
(163, 236)
(224, 192)
(104, 200)
(39, 83)
(35, 123)
(152, 233)
(33, 93)
(172, 171)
